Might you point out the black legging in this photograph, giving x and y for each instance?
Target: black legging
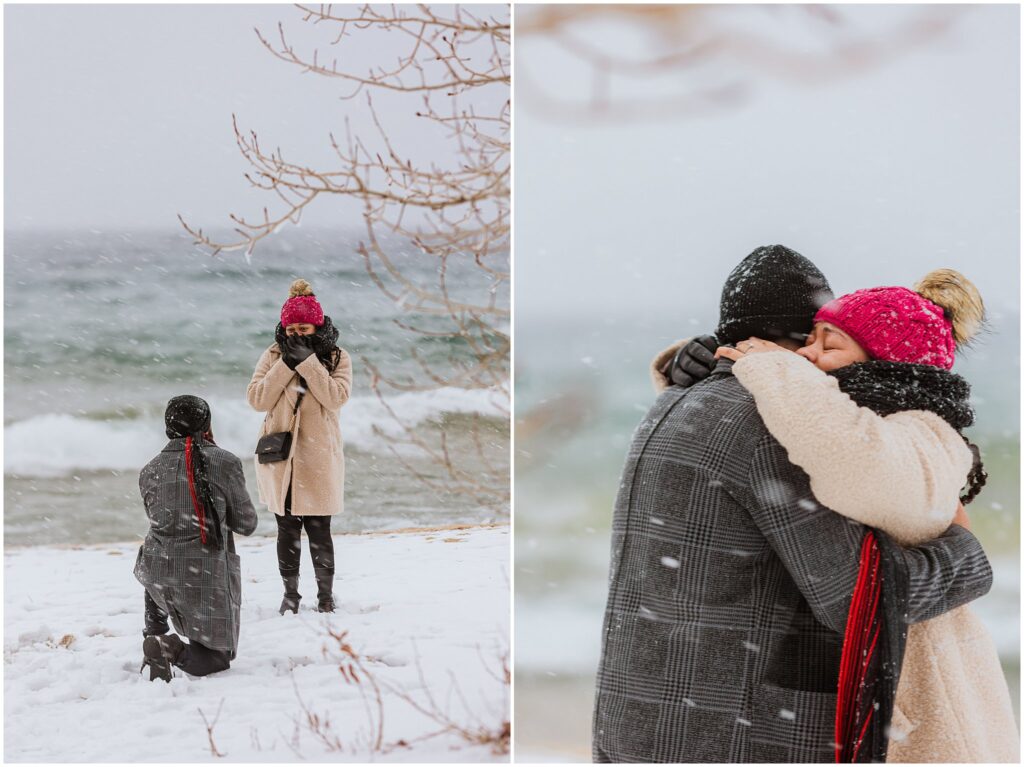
(289, 541)
(199, 660)
(195, 659)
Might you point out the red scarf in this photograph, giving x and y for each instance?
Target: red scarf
(873, 646)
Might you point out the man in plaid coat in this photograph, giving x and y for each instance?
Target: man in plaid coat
(195, 498)
(730, 585)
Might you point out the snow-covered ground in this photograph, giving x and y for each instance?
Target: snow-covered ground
(427, 614)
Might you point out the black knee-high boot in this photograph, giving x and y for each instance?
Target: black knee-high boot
(291, 594)
(155, 619)
(324, 590)
(289, 545)
(321, 549)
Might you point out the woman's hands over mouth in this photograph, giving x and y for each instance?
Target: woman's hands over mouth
(296, 350)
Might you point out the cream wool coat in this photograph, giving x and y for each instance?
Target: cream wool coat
(952, 701)
(316, 467)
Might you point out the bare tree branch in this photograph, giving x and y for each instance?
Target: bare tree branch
(455, 69)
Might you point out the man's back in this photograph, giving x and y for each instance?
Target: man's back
(164, 486)
(710, 651)
(730, 588)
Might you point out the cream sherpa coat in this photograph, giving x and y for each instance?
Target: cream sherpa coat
(902, 474)
(316, 467)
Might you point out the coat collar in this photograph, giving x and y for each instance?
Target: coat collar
(722, 369)
(177, 445)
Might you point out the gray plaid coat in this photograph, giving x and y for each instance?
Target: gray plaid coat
(199, 588)
(729, 591)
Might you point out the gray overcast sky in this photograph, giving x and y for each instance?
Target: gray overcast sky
(877, 177)
(120, 116)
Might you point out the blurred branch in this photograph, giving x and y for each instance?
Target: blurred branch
(685, 43)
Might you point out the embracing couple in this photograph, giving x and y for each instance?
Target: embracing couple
(195, 495)
(791, 560)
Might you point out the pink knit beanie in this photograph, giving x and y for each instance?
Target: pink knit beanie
(922, 326)
(302, 306)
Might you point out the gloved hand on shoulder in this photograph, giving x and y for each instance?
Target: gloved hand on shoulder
(694, 361)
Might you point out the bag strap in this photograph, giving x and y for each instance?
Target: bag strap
(297, 403)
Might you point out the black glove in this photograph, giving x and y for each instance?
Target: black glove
(694, 361)
(296, 350)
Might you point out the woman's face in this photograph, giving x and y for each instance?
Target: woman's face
(829, 348)
(300, 329)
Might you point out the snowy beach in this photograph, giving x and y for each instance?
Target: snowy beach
(426, 614)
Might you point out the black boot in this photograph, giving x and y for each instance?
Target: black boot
(324, 589)
(160, 652)
(155, 626)
(291, 594)
(155, 619)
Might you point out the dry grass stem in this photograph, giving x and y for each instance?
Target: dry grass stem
(209, 729)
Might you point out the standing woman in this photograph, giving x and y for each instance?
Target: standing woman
(301, 382)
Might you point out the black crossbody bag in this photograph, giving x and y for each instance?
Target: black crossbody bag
(276, 447)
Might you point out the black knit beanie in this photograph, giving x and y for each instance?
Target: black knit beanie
(185, 416)
(774, 293)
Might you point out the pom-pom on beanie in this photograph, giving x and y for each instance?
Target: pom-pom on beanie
(923, 326)
(302, 306)
(773, 293)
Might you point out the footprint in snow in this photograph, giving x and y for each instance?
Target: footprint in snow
(354, 608)
(283, 666)
(98, 631)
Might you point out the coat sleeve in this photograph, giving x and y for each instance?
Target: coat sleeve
(268, 382)
(821, 549)
(909, 466)
(241, 516)
(329, 389)
(145, 490)
(945, 573)
(658, 377)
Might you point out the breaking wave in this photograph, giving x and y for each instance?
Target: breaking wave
(58, 444)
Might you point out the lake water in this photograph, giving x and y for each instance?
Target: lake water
(102, 328)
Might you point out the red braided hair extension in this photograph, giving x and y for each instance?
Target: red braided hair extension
(200, 514)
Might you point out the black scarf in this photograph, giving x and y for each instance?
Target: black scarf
(876, 633)
(189, 417)
(324, 342)
(891, 387)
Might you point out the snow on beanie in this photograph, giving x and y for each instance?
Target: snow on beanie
(186, 415)
(302, 306)
(773, 293)
(923, 326)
